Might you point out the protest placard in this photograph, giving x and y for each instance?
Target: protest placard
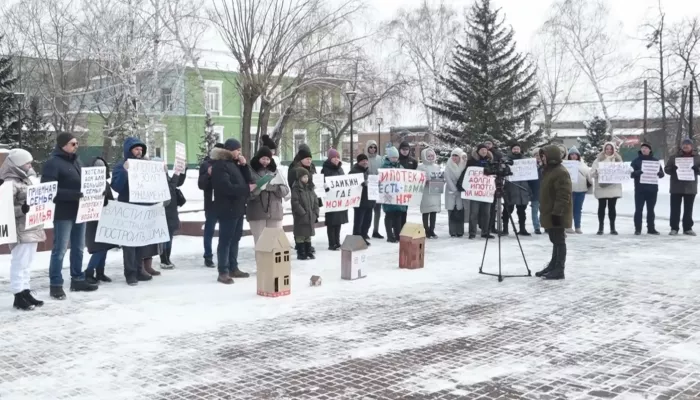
(685, 168)
(402, 187)
(8, 226)
(524, 170)
(318, 180)
(372, 187)
(40, 201)
(572, 167)
(344, 192)
(180, 158)
(92, 184)
(147, 182)
(477, 186)
(613, 172)
(126, 224)
(650, 172)
(436, 183)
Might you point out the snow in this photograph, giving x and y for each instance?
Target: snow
(624, 322)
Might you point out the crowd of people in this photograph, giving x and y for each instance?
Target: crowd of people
(233, 191)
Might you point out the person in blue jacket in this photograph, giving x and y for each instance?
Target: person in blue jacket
(644, 192)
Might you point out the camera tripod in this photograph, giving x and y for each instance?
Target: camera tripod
(500, 181)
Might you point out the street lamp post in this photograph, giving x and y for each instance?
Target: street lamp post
(351, 98)
(379, 133)
(18, 98)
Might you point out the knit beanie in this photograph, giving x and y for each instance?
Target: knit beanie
(481, 146)
(391, 152)
(574, 150)
(20, 157)
(232, 144)
(647, 145)
(361, 157)
(404, 145)
(687, 141)
(303, 153)
(301, 172)
(333, 153)
(305, 147)
(263, 152)
(63, 139)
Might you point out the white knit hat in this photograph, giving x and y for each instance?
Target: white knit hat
(19, 157)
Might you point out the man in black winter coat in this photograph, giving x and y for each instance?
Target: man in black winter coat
(64, 167)
(363, 213)
(231, 184)
(204, 183)
(644, 192)
(405, 158)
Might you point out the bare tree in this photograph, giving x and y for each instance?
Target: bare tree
(583, 27)
(425, 36)
(264, 36)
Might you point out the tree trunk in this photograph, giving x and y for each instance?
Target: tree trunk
(248, 103)
(263, 119)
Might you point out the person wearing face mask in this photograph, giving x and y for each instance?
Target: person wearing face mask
(16, 171)
(334, 220)
(644, 192)
(374, 163)
(683, 192)
(430, 204)
(606, 193)
(265, 209)
(64, 168)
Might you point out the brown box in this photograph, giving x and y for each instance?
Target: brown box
(412, 246)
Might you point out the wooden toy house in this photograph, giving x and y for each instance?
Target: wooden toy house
(315, 280)
(412, 246)
(353, 258)
(274, 268)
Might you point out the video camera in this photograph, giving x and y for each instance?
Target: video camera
(500, 168)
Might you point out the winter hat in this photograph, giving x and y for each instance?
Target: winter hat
(574, 150)
(19, 157)
(63, 139)
(232, 144)
(513, 144)
(268, 142)
(303, 153)
(457, 152)
(362, 157)
(647, 145)
(263, 152)
(391, 152)
(305, 147)
(404, 145)
(481, 146)
(687, 141)
(219, 146)
(333, 153)
(301, 172)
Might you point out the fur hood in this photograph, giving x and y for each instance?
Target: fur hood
(221, 154)
(615, 156)
(475, 155)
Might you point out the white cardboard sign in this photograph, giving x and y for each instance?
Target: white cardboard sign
(147, 182)
(132, 225)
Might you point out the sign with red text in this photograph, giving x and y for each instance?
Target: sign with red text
(344, 192)
(8, 226)
(402, 187)
(477, 186)
(41, 206)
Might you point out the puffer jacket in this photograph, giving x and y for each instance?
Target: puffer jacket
(18, 178)
(305, 210)
(120, 176)
(65, 169)
(265, 205)
(636, 165)
(584, 173)
(453, 195)
(555, 191)
(606, 191)
(430, 202)
(375, 160)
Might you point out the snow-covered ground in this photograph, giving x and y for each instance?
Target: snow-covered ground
(625, 324)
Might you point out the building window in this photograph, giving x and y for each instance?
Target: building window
(286, 256)
(213, 98)
(219, 133)
(299, 137)
(166, 99)
(278, 258)
(286, 280)
(301, 101)
(325, 141)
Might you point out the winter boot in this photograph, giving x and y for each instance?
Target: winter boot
(637, 232)
(689, 232)
(538, 232)
(600, 228)
(301, 252)
(132, 281)
(612, 227)
(376, 235)
(550, 265)
(579, 231)
(144, 276)
(21, 303)
(652, 231)
(148, 267)
(504, 232)
(209, 263)
(28, 296)
(523, 231)
(165, 262)
(673, 232)
(237, 273)
(90, 277)
(570, 231)
(557, 272)
(82, 286)
(101, 275)
(309, 254)
(57, 293)
(225, 279)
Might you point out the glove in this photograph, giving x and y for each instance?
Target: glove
(674, 168)
(660, 174)
(25, 208)
(696, 169)
(637, 174)
(80, 195)
(104, 204)
(556, 221)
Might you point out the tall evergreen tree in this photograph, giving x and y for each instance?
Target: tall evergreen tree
(7, 101)
(37, 139)
(596, 136)
(492, 88)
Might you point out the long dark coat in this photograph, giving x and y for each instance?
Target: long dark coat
(365, 202)
(338, 217)
(91, 227)
(305, 208)
(555, 191)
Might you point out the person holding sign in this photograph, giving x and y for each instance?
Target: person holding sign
(516, 196)
(334, 220)
(375, 162)
(64, 167)
(479, 211)
(265, 207)
(430, 203)
(98, 250)
(580, 187)
(683, 168)
(15, 171)
(453, 196)
(392, 212)
(210, 219)
(363, 213)
(606, 193)
(644, 191)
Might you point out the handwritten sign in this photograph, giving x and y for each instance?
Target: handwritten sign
(436, 183)
(126, 224)
(524, 170)
(572, 167)
(8, 226)
(612, 172)
(147, 182)
(41, 206)
(650, 172)
(477, 186)
(180, 158)
(319, 188)
(92, 184)
(344, 192)
(685, 168)
(372, 187)
(402, 187)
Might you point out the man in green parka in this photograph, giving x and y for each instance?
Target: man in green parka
(556, 211)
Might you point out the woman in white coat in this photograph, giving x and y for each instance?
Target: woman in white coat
(580, 188)
(430, 204)
(606, 193)
(453, 197)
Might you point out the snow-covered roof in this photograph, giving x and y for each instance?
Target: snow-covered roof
(574, 133)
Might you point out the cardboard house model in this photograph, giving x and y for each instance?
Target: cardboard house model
(274, 268)
(353, 258)
(412, 246)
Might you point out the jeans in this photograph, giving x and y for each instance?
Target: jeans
(97, 261)
(65, 231)
(578, 198)
(230, 232)
(210, 219)
(480, 214)
(362, 221)
(640, 198)
(687, 200)
(535, 215)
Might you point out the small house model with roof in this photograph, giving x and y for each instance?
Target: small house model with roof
(353, 258)
(274, 268)
(412, 246)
